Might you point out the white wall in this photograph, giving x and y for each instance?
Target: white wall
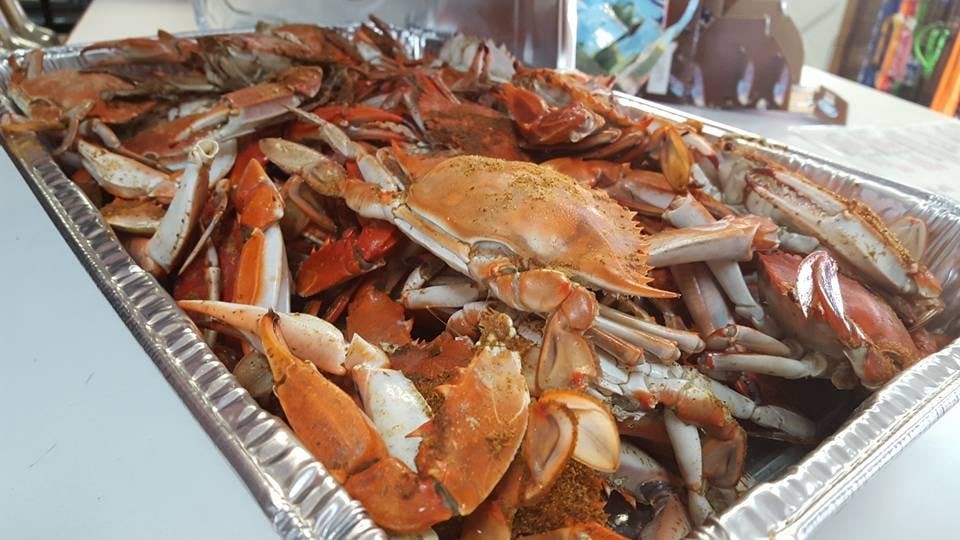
(818, 22)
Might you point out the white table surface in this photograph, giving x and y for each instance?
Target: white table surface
(99, 446)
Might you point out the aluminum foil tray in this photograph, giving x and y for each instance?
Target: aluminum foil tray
(303, 501)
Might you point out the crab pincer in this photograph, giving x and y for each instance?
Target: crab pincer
(478, 427)
(837, 316)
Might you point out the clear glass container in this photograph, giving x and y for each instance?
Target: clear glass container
(539, 32)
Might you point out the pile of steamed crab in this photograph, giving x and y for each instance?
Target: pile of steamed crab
(491, 301)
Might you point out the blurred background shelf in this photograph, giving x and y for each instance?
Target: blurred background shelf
(58, 15)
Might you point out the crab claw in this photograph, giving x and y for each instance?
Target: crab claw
(540, 124)
(852, 232)
(257, 198)
(310, 400)
(723, 460)
(567, 424)
(491, 393)
(125, 177)
(836, 315)
(320, 172)
(353, 255)
(169, 243)
(547, 446)
(262, 275)
(647, 481)
(308, 337)
(818, 287)
(597, 441)
(392, 402)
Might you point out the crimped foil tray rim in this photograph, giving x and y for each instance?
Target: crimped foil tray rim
(303, 501)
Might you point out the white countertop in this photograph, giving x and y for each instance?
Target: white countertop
(97, 444)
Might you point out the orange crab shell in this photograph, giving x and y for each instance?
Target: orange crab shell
(544, 217)
(48, 95)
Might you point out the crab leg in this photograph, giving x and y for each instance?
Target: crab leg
(770, 416)
(242, 111)
(685, 440)
(223, 162)
(732, 335)
(779, 366)
(729, 239)
(647, 192)
(797, 243)
(685, 211)
(320, 172)
(687, 342)
(464, 322)
(664, 349)
(220, 201)
(695, 398)
(304, 201)
(136, 217)
(677, 387)
(704, 301)
(627, 353)
(713, 318)
(423, 273)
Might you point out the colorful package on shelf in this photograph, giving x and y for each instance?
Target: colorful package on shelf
(612, 35)
(914, 52)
